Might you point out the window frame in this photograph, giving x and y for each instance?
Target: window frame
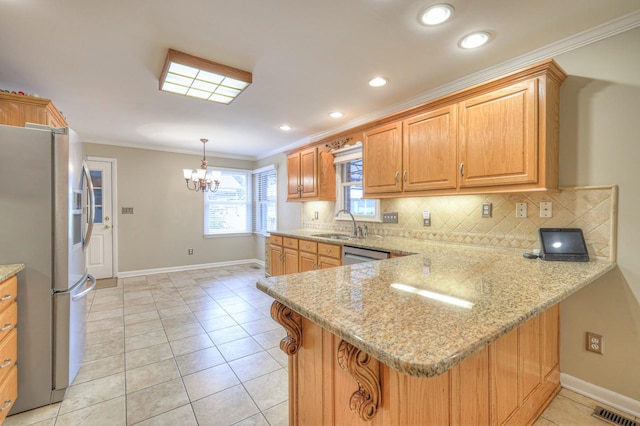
(341, 158)
(248, 203)
(256, 175)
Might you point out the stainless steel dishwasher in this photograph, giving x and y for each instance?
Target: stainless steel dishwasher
(352, 255)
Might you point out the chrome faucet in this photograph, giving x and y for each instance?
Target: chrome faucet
(355, 227)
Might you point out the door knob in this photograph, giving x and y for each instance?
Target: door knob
(107, 218)
(107, 227)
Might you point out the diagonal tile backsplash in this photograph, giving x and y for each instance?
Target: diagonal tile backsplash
(457, 219)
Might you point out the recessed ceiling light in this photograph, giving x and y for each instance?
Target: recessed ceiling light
(285, 127)
(377, 82)
(336, 114)
(436, 14)
(189, 75)
(473, 40)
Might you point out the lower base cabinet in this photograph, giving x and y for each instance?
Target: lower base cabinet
(8, 345)
(510, 382)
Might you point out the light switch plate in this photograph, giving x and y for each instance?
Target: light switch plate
(546, 209)
(390, 217)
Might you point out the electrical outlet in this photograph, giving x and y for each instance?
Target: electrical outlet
(546, 209)
(190, 251)
(521, 209)
(390, 217)
(487, 209)
(426, 218)
(315, 215)
(594, 342)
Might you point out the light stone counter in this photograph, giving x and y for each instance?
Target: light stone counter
(7, 271)
(496, 291)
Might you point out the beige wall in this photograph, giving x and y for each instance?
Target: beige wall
(167, 218)
(600, 145)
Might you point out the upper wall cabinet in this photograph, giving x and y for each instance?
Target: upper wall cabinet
(501, 136)
(311, 175)
(17, 110)
(417, 154)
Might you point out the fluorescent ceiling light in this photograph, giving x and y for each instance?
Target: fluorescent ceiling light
(189, 75)
(436, 14)
(377, 81)
(473, 40)
(432, 295)
(336, 114)
(285, 127)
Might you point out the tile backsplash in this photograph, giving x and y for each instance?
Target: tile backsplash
(457, 219)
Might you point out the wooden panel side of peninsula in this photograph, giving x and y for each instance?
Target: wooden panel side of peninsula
(509, 382)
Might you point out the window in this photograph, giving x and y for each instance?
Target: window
(228, 211)
(265, 185)
(349, 186)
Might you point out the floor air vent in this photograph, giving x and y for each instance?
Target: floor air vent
(613, 418)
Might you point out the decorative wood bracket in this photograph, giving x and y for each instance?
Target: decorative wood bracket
(291, 321)
(337, 144)
(366, 400)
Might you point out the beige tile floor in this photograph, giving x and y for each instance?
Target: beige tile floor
(195, 348)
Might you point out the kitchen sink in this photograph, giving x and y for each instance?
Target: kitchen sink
(334, 236)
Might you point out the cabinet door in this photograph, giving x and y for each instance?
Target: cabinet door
(309, 172)
(499, 137)
(382, 159)
(293, 176)
(429, 151)
(276, 260)
(328, 262)
(290, 261)
(307, 261)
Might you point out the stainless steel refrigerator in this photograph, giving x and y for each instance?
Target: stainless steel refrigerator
(46, 218)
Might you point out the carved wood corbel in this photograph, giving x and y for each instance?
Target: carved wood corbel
(366, 400)
(291, 321)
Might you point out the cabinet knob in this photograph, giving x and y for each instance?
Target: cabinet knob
(404, 176)
(397, 176)
(462, 169)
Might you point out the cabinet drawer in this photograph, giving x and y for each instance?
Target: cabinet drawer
(290, 242)
(330, 250)
(8, 353)
(308, 246)
(8, 319)
(8, 292)
(275, 240)
(8, 392)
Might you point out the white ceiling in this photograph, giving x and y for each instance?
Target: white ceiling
(100, 61)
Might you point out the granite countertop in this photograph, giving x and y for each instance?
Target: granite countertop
(387, 308)
(7, 271)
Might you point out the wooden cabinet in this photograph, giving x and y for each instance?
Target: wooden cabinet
(510, 382)
(8, 345)
(382, 159)
(329, 255)
(291, 255)
(307, 256)
(501, 136)
(17, 110)
(311, 175)
(498, 140)
(417, 154)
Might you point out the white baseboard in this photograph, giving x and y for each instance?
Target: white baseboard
(128, 274)
(597, 393)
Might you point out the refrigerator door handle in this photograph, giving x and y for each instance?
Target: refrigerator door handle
(92, 205)
(85, 292)
(77, 285)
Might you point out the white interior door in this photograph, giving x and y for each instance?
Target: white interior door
(100, 252)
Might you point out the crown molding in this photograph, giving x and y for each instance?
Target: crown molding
(592, 35)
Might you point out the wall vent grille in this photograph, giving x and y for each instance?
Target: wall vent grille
(613, 418)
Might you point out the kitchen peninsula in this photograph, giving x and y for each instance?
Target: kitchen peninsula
(448, 335)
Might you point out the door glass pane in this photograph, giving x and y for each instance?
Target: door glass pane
(96, 178)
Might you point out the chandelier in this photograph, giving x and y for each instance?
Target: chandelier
(200, 180)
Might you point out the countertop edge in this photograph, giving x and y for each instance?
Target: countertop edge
(7, 271)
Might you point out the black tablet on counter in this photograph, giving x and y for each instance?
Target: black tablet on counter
(564, 244)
